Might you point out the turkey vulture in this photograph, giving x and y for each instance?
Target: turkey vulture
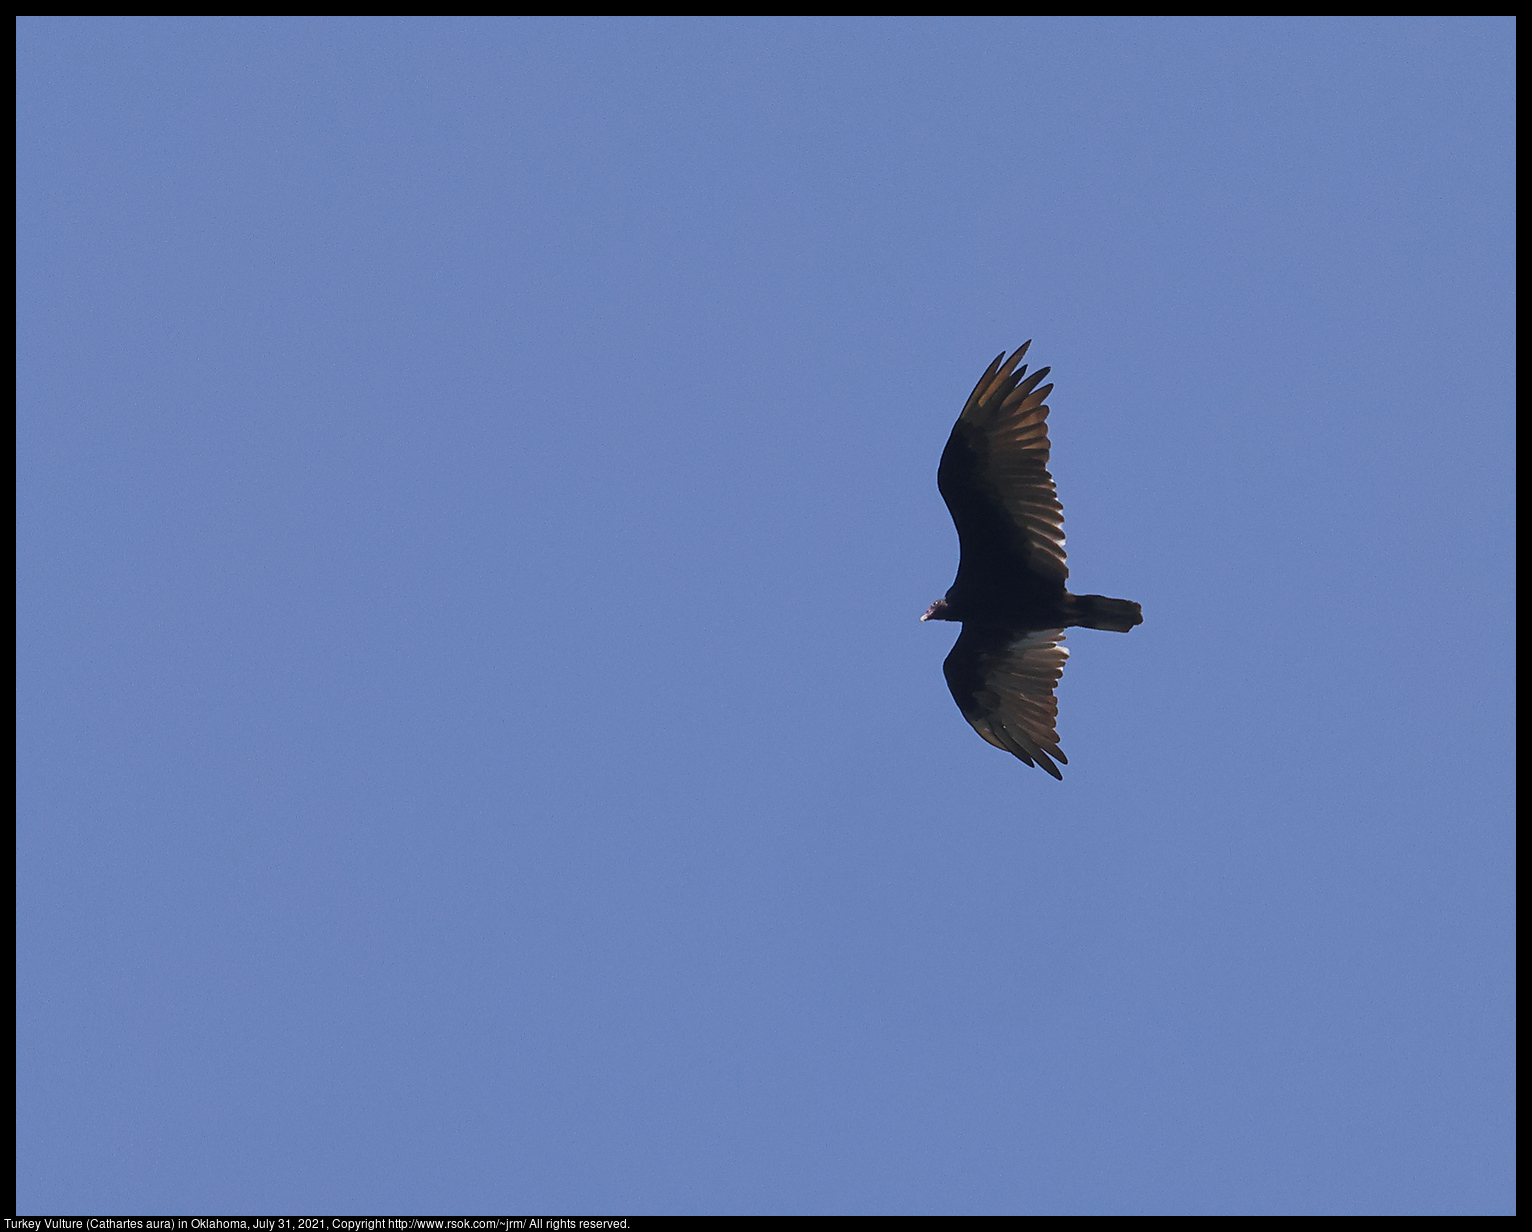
(1009, 591)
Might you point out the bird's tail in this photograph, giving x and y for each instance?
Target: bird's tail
(1099, 612)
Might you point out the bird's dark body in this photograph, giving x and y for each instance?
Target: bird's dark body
(1009, 593)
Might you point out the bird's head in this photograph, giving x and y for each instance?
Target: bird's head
(937, 611)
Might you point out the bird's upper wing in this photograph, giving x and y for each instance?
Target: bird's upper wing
(1002, 681)
(994, 471)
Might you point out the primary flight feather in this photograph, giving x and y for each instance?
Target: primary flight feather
(1009, 593)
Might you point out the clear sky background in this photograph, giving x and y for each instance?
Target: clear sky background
(478, 751)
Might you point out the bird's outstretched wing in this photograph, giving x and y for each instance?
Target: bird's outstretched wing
(1002, 680)
(994, 471)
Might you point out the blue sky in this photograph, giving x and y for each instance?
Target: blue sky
(478, 751)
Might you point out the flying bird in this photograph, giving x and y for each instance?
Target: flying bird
(1009, 593)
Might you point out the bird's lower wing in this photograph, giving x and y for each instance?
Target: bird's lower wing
(1003, 682)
